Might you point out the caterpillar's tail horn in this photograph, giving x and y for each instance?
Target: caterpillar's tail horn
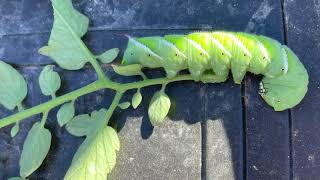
(287, 90)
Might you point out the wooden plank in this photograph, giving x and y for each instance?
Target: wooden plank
(303, 38)
(35, 16)
(267, 131)
(97, 41)
(171, 151)
(224, 130)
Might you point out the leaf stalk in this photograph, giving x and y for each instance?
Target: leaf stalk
(95, 86)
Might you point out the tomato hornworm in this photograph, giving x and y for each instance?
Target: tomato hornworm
(210, 55)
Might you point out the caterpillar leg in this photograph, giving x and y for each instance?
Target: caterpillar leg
(241, 57)
(219, 57)
(197, 57)
(172, 59)
(287, 90)
(171, 73)
(260, 57)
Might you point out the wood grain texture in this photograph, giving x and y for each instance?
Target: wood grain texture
(267, 154)
(35, 16)
(221, 131)
(303, 38)
(224, 131)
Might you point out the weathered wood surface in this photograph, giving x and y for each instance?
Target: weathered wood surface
(267, 132)
(303, 34)
(220, 131)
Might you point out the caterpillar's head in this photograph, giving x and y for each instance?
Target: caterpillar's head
(137, 53)
(287, 90)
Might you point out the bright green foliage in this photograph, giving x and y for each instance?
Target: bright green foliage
(109, 56)
(80, 125)
(198, 58)
(241, 57)
(97, 122)
(96, 157)
(14, 130)
(84, 125)
(49, 81)
(128, 70)
(65, 46)
(286, 91)
(102, 142)
(159, 108)
(136, 99)
(65, 113)
(124, 105)
(279, 60)
(35, 149)
(13, 87)
(99, 118)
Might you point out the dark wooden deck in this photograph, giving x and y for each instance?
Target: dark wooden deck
(220, 131)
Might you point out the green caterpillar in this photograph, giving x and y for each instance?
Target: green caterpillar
(210, 55)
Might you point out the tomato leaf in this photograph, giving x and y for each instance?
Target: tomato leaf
(65, 113)
(35, 149)
(15, 129)
(79, 125)
(158, 108)
(84, 125)
(13, 87)
(65, 45)
(109, 56)
(49, 81)
(96, 156)
(136, 99)
(124, 105)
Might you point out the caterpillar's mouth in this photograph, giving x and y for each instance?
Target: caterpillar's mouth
(287, 90)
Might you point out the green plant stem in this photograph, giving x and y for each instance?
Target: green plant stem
(44, 118)
(113, 105)
(151, 82)
(51, 104)
(95, 64)
(95, 86)
(53, 96)
(20, 107)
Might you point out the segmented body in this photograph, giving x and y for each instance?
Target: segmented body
(209, 56)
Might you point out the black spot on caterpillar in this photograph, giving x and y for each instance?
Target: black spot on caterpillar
(285, 82)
